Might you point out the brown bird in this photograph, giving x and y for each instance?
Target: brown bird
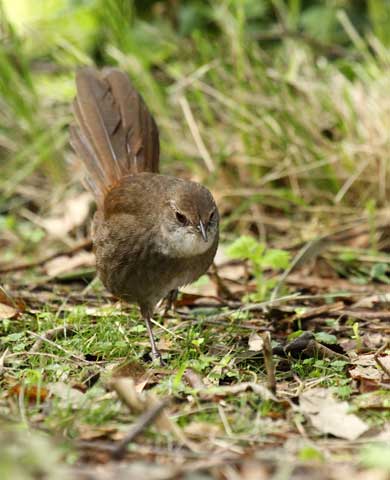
(152, 233)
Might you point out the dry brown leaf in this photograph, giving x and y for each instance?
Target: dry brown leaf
(364, 360)
(371, 377)
(11, 301)
(10, 307)
(32, 392)
(330, 416)
(385, 361)
(370, 373)
(374, 340)
(74, 212)
(255, 342)
(64, 264)
(6, 311)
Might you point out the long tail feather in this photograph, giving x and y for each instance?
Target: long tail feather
(115, 135)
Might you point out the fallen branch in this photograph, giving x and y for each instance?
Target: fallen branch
(145, 402)
(144, 421)
(263, 306)
(269, 363)
(50, 342)
(54, 333)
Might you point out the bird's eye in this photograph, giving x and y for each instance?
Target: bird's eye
(212, 216)
(182, 219)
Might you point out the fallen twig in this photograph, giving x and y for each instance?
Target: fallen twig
(366, 314)
(50, 342)
(144, 421)
(379, 361)
(57, 332)
(2, 360)
(321, 310)
(253, 307)
(145, 401)
(268, 362)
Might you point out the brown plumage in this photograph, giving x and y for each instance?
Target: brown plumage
(115, 135)
(152, 233)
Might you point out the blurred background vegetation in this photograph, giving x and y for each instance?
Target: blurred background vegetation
(281, 106)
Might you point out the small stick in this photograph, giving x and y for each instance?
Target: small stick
(138, 403)
(268, 362)
(2, 360)
(251, 307)
(379, 361)
(50, 342)
(144, 421)
(53, 333)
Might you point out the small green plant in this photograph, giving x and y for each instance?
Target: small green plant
(260, 259)
(308, 453)
(327, 338)
(356, 335)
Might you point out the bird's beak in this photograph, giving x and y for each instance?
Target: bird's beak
(202, 230)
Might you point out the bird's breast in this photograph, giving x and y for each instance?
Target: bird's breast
(144, 266)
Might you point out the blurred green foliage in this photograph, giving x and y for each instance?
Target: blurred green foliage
(286, 95)
(260, 258)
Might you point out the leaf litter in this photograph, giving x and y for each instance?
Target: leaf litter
(211, 411)
(330, 416)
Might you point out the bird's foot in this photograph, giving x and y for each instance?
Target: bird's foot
(157, 358)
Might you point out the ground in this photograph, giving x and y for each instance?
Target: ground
(292, 387)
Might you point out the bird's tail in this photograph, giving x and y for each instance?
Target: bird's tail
(114, 134)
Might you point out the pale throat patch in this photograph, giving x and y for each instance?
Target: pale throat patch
(183, 243)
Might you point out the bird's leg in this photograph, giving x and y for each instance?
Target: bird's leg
(170, 301)
(156, 355)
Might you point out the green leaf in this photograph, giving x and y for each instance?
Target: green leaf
(246, 247)
(294, 335)
(348, 256)
(309, 454)
(380, 271)
(324, 337)
(275, 258)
